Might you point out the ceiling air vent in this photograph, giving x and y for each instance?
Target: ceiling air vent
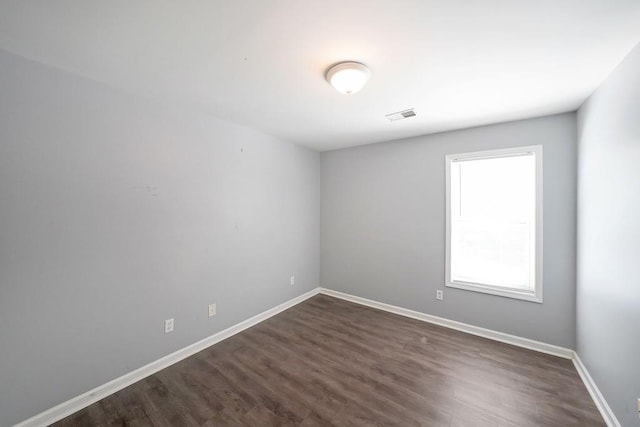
(404, 114)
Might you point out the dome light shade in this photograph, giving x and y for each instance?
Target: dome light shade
(348, 77)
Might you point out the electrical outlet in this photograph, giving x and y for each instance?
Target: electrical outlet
(639, 406)
(292, 280)
(439, 295)
(168, 326)
(212, 310)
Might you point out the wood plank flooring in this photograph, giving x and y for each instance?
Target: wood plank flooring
(330, 362)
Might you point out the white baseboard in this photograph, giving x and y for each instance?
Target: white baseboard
(459, 326)
(77, 403)
(594, 391)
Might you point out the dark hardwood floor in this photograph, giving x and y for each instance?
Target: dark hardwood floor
(330, 362)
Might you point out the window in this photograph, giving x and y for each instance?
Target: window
(494, 222)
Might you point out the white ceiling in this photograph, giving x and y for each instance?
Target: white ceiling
(261, 63)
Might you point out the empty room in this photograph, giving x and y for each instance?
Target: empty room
(319, 213)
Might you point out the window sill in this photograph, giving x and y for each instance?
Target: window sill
(507, 293)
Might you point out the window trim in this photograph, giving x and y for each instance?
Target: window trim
(536, 295)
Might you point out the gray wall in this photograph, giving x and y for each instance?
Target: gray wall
(117, 213)
(383, 227)
(609, 238)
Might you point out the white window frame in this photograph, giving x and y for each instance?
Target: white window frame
(536, 295)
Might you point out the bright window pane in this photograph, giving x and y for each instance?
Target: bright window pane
(493, 221)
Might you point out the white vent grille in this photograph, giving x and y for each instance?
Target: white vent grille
(404, 114)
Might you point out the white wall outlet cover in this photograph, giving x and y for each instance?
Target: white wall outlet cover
(212, 310)
(292, 280)
(439, 295)
(168, 326)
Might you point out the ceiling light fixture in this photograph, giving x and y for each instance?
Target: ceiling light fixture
(348, 77)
